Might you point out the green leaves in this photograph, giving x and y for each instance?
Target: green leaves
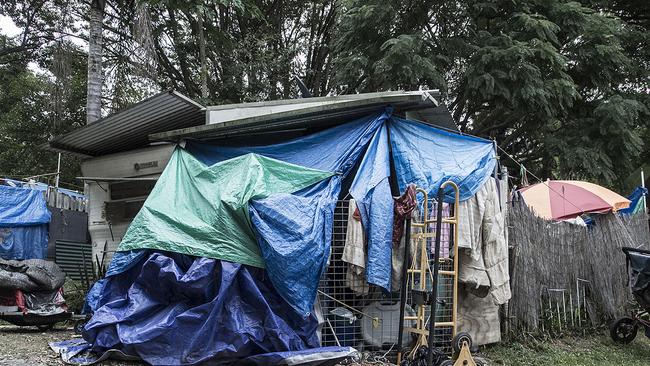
(557, 83)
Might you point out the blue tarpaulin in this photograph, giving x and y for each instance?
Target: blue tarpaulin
(427, 157)
(294, 230)
(23, 223)
(43, 187)
(78, 352)
(167, 308)
(636, 204)
(151, 299)
(371, 191)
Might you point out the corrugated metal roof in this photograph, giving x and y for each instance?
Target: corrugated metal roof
(310, 113)
(130, 128)
(170, 116)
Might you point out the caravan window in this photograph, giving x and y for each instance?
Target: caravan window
(131, 189)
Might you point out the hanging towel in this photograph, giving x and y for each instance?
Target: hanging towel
(483, 244)
(445, 230)
(354, 253)
(404, 206)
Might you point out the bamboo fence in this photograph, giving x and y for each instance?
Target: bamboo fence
(565, 275)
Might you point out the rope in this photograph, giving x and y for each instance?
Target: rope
(536, 177)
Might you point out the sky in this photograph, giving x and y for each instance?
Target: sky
(7, 26)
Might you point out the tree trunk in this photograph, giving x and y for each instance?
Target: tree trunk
(95, 50)
(204, 65)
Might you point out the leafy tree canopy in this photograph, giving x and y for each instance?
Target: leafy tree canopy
(562, 85)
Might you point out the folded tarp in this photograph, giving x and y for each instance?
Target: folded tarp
(23, 223)
(32, 275)
(174, 309)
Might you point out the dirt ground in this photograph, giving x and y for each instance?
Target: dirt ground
(28, 346)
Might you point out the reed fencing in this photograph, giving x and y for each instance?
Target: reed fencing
(569, 276)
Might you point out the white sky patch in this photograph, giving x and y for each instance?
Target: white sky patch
(8, 27)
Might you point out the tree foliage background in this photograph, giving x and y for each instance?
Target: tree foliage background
(562, 85)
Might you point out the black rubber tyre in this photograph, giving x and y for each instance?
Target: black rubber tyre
(480, 362)
(79, 326)
(459, 339)
(45, 327)
(624, 330)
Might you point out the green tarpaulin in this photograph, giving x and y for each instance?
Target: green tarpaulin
(202, 210)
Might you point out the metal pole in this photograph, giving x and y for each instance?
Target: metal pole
(402, 305)
(433, 301)
(645, 206)
(56, 181)
(58, 172)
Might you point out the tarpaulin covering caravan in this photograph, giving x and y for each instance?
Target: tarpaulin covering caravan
(23, 223)
(257, 222)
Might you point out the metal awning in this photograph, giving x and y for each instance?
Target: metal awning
(130, 129)
(170, 116)
(246, 119)
(114, 179)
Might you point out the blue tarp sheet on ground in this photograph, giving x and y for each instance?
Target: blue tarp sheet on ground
(166, 310)
(78, 352)
(23, 223)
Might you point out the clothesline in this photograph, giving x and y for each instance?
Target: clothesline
(536, 177)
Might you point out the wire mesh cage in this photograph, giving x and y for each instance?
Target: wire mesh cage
(369, 320)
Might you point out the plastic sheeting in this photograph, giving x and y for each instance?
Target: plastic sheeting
(23, 224)
(24, 242)
(150, 300)
(636, 204)
(32, 275)
(202, 210)
(294, 230)
(371, 190)
(77, 352)
(428, 156)
(38, 186)
(22, 207)
(175, 299)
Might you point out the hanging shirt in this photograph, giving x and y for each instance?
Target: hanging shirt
(354, 253)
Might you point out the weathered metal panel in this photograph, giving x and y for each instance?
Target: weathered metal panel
(129, 129)
(136, 163)
(66, 225)
(254, 118)
(74, 258)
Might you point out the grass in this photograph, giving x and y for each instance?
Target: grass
(592, 350)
